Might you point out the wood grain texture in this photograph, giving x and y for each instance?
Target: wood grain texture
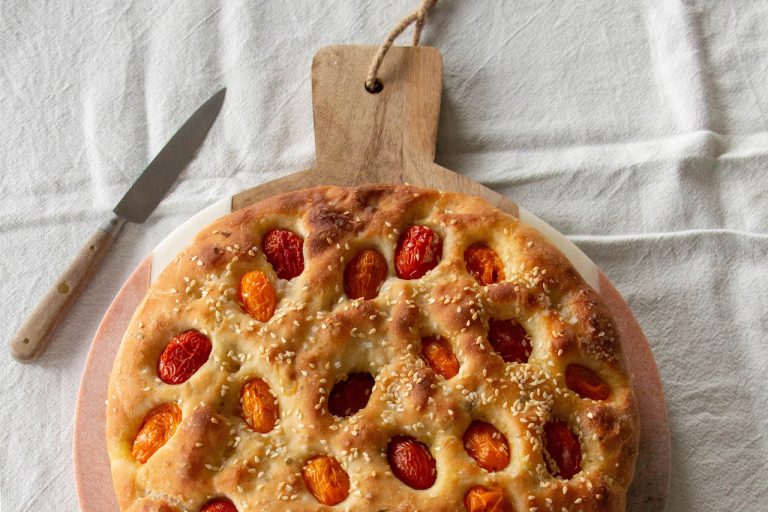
(34, 333)
(363, 138)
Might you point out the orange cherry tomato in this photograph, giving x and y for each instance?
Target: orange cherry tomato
(439, 356)
(259, 406)
(563, 448)
(510, 340)
(364, 275)
(157, 428)
(326, 480)
(219, 505)
(351, 394)
(183, 356)
(418, 251)
(257, 295)
(487, 446)
(586, 383)
(284, 250)
(484, 264)
(411, 462)
(483, 499)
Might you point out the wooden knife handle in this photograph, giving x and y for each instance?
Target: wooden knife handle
(33, 335)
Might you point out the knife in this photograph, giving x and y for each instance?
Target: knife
(135, 206)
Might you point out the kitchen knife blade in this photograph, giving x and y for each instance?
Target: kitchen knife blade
(148, 190)
(137, 204)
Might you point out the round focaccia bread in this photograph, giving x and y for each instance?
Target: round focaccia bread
(381, 348)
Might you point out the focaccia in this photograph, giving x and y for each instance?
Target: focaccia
(381, 348)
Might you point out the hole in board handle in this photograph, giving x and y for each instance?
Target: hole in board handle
(376, 87)
(25, 341)
(63, 288)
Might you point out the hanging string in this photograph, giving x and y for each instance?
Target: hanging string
(372, 83)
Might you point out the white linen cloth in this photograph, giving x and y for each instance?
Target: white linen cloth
(638, 129)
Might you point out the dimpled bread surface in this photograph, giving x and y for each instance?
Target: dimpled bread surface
(317, 336)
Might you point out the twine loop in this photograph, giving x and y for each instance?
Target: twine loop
(372, 82)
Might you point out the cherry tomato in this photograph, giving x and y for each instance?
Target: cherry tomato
(586, 383)
(326, 480)
(418, 251)
(259, 406)
(484, 264)
(487, 446)
(157, 428)
(563, 448)
(483, 499)
(438, 354)
(183, 356)
(510, 340)
(411, 462)
(257, 295)
(364, 275)
(219, 505)
(350, 395)
(284, 250)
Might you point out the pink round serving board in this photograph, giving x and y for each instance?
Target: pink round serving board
(93, 477)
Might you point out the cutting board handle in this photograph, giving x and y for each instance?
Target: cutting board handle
(387, 137)
(379, 135)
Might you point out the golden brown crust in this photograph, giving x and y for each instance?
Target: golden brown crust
(317, 336)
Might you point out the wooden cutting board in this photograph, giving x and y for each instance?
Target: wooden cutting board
(362, 138)
(389, 137)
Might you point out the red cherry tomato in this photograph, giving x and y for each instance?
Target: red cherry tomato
(411, 462)
(219, 505)
(510, 340)
(183, 356)
(586, 383)
(284, 250)
(418, 251)
(563, 448)
(350, 395)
